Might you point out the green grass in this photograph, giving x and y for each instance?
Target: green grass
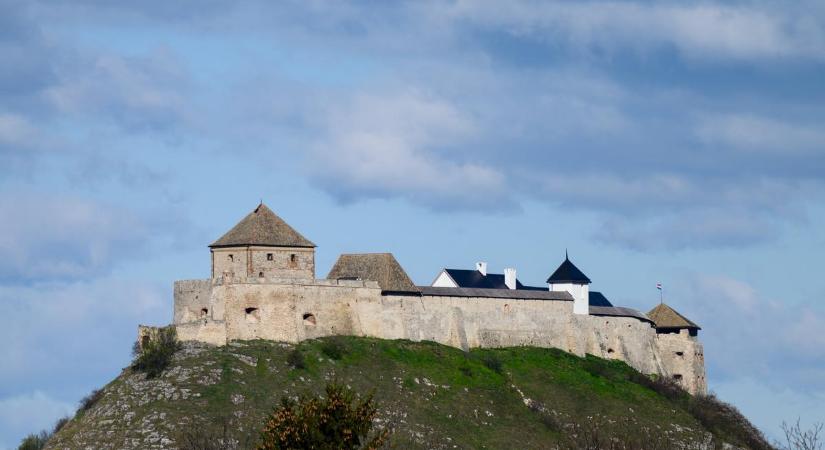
(434, 396)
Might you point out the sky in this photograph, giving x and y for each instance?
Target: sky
(673, 142)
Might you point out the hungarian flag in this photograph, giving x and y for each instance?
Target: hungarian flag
(659, 286)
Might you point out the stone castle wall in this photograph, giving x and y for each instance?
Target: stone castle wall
(683, 357)
(291, 310)
(264, 262)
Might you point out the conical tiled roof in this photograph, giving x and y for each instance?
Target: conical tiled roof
(262, 227)
(568, 273)
(380, 267)
(666, 317)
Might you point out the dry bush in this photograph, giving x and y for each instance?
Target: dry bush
(725, 420)
(338, 422)
(798, 439)
(213, 436)
(156, 353)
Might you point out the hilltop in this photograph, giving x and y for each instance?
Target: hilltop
(433, 396)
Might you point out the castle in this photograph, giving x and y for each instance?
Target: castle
(263, 286)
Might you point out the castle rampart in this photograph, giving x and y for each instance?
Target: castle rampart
(269, 291)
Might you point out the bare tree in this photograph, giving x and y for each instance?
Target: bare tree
(798, 439)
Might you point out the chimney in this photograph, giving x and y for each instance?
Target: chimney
(510, 278)
(482, 267)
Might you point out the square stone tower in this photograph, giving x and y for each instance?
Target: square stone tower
(262, 246)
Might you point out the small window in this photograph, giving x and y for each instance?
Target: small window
(677, 376)
(252, 315)
(231, 257)
(610, 350)
(680, 353)
(260, 274)
(309, 319)
(204, 312)
(269, 256)
(292, 258)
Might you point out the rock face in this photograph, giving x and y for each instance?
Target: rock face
(432, 396)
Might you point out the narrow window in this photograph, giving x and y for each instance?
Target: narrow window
(260, 274)
(231, 257)
(204, 312)
(610, 350)
(292, 258)
(309, 319)
(269, 256)
(252, 315)
(680, 353)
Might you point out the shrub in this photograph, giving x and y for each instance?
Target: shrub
(663, 386)
(156, 353)
(334, 348)
(335, 422)
(798, 439)
(213, 436)
(61, 422)
(596, 367)
(35, 441)
(492, 361)
(725, 420)
(545, 417)
(602, 433)
(296, 359)
(88, 401)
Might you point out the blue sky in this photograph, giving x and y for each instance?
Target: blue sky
(679, 142)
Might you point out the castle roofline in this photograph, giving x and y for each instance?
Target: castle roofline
(567, 272)
(264, 228)
(380, 267)
(666, 317)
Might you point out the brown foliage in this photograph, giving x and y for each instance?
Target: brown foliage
(337, 422)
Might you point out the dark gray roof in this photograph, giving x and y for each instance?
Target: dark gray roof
(617, 311)
(568, 273)
(262, 227)
(474, 279)
(495, 293)
(666, 317)
(598, 299)
(380, 267)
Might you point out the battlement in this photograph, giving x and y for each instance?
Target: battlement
(263, 287)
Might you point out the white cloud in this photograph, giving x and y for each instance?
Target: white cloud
(29, 413)
(142, 92)
(752, 133)
(84, 329)
(15, 131)
(406, 145)
(698, 30)
(748, 335)
(767, 406)
(57, 236)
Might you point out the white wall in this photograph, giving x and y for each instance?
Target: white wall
(580, 293)
(444, 280)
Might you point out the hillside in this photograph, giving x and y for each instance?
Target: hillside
(432, 395)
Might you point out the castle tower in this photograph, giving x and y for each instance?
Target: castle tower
(569, 278)
(680, 351)
(263, 246)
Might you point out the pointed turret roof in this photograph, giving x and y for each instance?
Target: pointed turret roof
(666, 317)
(262, 227)
(568, 273)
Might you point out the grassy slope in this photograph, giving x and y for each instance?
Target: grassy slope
(434, 396)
